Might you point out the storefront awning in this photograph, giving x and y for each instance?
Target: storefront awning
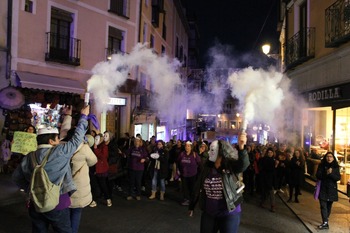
(49, 83)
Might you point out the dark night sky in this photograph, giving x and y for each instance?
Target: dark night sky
(238, 23)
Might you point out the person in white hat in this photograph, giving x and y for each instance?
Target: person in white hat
(58, 168)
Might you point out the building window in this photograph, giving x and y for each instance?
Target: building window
(115, 39)
(151, 42)
(119, 7)
(144, 32)
(181, 53)
(157, 8)
(177, 48)
(164, 29)
(62, 47)
(28, 6)
(143, 80)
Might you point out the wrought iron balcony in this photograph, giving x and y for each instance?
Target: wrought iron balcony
(62, 49)
(337, 29)
(300, 48)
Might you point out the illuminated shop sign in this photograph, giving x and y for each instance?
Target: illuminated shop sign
(326, 94)
(117, 101)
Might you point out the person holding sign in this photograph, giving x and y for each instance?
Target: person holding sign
(59, 171)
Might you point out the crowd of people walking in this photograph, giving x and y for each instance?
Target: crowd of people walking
(101, 165)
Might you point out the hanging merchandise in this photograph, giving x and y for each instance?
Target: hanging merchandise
(11, 98)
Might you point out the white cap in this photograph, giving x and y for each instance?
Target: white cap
(48, 130)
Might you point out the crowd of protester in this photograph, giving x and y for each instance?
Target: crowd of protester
(138, 168)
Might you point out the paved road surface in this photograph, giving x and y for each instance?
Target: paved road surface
(154, 216)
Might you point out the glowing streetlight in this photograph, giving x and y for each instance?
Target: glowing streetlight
(266, 48)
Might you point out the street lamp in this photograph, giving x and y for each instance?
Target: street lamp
(275, 56)
(266, 49)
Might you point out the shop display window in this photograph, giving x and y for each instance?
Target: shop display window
(318, 130)
(342, 135)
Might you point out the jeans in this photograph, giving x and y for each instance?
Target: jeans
(224, 224)
(58, 219)
(326, 207)
(155, 182)
(75, 216)
(135, 179)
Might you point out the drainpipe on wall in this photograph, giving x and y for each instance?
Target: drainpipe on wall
(9, 40)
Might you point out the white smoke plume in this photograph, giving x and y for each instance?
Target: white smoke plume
(259, 91)
(165, 80)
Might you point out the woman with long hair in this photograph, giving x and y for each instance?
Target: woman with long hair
(329, 174)
(188, 164)
(297, 170)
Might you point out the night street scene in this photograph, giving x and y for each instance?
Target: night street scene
(159, 116)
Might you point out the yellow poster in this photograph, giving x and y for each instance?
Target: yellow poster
(23, 142)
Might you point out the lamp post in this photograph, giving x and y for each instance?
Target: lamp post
(266, 50)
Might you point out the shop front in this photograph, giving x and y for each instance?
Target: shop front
(43, 100)
(326, 126)
(145, 124)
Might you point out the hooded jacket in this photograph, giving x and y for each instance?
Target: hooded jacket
(81, 161)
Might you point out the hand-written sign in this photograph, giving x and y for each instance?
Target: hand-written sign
(23, 142)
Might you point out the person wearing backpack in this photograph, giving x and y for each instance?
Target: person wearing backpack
(218, 188)
(58, 170)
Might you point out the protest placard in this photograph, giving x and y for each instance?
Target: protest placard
(23, 142)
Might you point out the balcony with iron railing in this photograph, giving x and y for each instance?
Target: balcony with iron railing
(337, 25)
(300, 48)
(62, 49)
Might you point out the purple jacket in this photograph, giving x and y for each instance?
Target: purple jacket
(134, 158)
(188, 164)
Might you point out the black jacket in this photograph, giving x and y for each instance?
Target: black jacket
(297, 171)
(234, 166)
(164, 165)
(329, 189)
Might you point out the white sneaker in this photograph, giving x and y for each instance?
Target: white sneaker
(93, 204)
(109, 202)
